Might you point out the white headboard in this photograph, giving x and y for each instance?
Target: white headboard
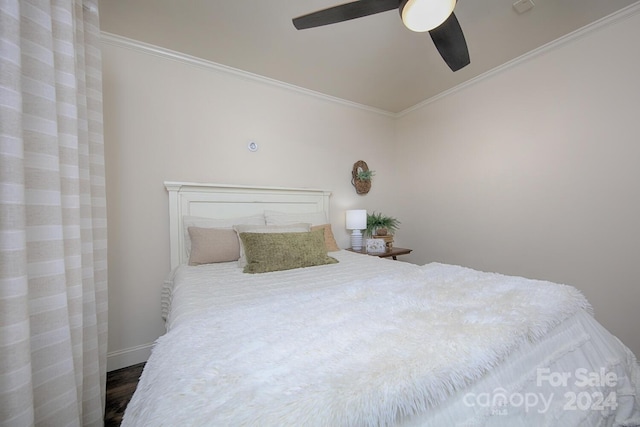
(230, 201)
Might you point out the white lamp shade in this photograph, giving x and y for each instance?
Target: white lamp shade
(357, 219)
(425, 15)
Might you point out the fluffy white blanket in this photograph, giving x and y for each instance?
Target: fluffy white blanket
(362, 353)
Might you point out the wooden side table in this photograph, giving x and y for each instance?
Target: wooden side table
(393, 253)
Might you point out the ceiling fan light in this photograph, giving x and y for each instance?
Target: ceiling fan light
(425, 15)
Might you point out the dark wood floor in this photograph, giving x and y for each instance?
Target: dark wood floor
(121, 384)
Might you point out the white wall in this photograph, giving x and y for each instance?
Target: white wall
(535, 171)
(168, 120)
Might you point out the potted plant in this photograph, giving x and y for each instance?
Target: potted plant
(381, 225)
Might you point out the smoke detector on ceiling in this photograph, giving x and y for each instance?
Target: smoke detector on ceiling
(522, 6)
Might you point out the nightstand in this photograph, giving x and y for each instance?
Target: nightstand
(391, 253)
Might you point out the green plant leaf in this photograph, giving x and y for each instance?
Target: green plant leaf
(365, 175)
(378, 220)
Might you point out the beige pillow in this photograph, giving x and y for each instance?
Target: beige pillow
(210, 245)
(203, 222)
(247, 228)
(329, 239)
(267, 252)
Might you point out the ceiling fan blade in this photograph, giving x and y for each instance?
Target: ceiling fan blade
(344, 12)
(449, 40)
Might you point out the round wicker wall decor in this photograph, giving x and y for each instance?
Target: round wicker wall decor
(362, 185)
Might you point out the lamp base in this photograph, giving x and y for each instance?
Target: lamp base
(356, 240)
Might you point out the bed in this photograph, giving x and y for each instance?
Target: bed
(287, 329)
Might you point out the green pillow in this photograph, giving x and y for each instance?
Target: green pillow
(284, 251)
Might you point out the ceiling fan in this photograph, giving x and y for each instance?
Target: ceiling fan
(435, 16)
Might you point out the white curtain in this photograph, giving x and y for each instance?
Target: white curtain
(53, 233)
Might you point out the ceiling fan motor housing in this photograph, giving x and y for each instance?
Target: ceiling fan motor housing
(425, 15)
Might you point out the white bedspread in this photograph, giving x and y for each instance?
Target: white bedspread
(371, 347)
(194, 289)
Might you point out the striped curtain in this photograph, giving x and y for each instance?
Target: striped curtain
(53, 251)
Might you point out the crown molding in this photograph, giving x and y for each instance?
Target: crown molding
(589, 29)
(124, 42)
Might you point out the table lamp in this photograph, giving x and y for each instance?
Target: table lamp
(356, 222)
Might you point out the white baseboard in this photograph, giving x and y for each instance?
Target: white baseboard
(128, 356)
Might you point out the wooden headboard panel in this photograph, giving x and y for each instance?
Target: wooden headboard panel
(230, 201)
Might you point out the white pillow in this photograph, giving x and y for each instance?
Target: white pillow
(248, 228)
(281, 218)
(203, 222)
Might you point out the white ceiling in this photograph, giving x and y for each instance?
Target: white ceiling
(374, 61)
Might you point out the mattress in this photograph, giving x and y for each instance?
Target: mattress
(573, 372)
